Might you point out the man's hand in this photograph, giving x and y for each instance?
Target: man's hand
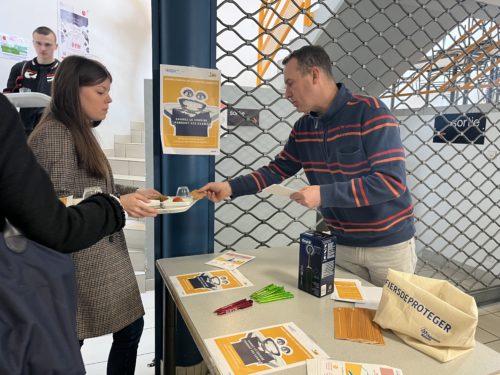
(217, 191)
(310, 196)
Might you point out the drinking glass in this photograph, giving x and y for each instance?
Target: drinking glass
(24, 89)
(183, 192)
(89, 191)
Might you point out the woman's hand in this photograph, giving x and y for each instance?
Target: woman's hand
(136, 205)
(149, 193)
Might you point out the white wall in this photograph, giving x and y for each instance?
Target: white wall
(120, 37)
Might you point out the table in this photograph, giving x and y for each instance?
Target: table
(313, 315)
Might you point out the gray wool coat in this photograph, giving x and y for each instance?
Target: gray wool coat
(108, 295)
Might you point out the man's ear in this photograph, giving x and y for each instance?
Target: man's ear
(315, 71)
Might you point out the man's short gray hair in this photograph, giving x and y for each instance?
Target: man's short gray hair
(310, 56)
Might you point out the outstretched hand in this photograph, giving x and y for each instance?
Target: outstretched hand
(217, 191)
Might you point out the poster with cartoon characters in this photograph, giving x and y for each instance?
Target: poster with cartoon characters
(209, 282)
(263, 350)
(190, 113)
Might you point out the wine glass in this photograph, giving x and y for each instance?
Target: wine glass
(183, 192)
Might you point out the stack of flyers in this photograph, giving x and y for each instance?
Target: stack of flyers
(230, 260)
(348, 290)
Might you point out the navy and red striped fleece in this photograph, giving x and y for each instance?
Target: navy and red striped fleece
(354, 152)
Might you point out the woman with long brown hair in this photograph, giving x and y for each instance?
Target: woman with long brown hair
(64, 144)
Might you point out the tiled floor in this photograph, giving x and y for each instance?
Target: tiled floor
(95, 351)
(488, 327)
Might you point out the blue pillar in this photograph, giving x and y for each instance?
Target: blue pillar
(183, 34)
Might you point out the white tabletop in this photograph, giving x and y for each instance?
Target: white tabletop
(313, 315)
(28, 99)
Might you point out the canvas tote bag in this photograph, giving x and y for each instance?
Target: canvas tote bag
(37, 309)
(430, 315)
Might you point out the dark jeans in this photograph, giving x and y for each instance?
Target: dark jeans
(123, 354)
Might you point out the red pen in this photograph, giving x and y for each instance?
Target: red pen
(231, 305)
(241, 306)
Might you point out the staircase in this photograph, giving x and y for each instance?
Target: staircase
(127, 161)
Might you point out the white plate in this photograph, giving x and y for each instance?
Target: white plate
(171, 209)
(170, 204)
(154, 203)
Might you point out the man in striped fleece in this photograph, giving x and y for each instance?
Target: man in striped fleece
(350, 149)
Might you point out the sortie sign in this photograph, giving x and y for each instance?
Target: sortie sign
(460, 128)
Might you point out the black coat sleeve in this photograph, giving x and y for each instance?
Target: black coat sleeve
(28, 200)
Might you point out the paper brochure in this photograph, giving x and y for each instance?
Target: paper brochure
(230, 260)
(348, 290)
(320, 366)
(209, 282)
(281, 190)
(263, 350)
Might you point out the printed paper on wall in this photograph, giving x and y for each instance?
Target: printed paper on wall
(189, 110)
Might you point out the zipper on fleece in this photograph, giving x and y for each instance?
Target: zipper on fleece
(324, 143)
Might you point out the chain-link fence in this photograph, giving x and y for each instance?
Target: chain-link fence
(433, 62)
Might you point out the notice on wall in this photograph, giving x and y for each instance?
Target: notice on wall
(465, 128)
(243, 117)
(263, 350)
(190, 110)
(73, 31)
(13, 47)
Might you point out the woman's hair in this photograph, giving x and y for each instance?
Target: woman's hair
(73, 73)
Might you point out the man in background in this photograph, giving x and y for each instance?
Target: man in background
(35, 75)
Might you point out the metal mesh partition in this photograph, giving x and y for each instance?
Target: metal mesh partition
(434, 63)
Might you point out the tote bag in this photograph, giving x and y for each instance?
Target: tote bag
(430, 315)
(37, 309)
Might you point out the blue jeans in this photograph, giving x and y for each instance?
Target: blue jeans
(123, 353)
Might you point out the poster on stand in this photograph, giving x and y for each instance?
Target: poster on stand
(13, 47)
(73, 31)
(189, 110)
(263, 350)
(209, 282)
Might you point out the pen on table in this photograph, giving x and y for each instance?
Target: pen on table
(231, 305)
(241, 306)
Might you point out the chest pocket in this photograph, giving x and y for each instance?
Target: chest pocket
(352, 160)
(350, 153)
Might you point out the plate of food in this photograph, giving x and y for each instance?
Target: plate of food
(174, 204)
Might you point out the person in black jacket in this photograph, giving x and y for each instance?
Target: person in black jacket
(29, 202)
(37, 285)
(36, 74)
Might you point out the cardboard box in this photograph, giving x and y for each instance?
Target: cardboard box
(317, 263)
